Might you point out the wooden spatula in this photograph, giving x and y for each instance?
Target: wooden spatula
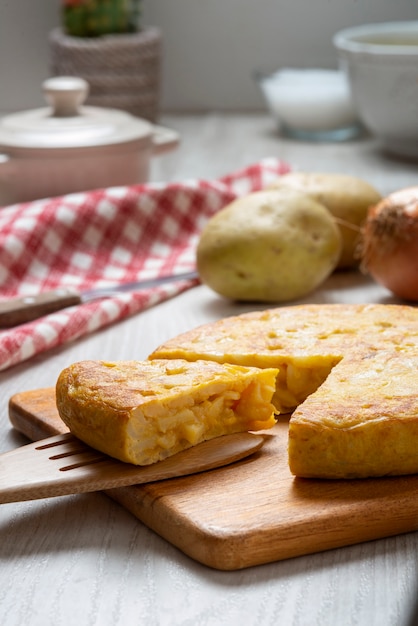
(63, 465)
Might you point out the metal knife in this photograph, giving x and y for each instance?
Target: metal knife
(17, 311)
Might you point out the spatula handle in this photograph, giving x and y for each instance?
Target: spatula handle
(27, 308)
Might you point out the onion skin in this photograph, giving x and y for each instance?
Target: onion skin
(389, 247)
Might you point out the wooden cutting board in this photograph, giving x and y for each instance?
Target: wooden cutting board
(253, 511)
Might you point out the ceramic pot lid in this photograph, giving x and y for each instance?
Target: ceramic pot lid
(66, 123)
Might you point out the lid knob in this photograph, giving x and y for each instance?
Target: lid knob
(65, 94)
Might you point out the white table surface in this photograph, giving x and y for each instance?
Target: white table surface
(84, 560)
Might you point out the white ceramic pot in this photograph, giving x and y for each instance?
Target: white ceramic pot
(68, 147)
(382, 65)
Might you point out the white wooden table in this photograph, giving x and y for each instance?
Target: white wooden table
(84, 560)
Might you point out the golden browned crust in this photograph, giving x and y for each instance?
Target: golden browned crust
(363, 420)
(144, 411)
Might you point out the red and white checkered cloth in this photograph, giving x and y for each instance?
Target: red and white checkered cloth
(107, 237)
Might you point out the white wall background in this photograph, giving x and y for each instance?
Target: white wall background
(211, 47)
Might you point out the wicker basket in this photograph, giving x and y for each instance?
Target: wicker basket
(123, 70)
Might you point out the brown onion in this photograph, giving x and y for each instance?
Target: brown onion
(389, 249)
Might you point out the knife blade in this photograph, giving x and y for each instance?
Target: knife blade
(16, 311)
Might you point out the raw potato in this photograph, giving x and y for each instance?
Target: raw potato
(346, 197)
(269, 246)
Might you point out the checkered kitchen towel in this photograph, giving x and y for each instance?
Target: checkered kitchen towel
(107, 237)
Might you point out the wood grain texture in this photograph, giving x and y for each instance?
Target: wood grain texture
(255, 511)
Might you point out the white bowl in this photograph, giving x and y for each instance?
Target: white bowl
(381, 61)
(310, 104)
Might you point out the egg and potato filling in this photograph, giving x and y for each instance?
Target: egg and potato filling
(141, 412)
